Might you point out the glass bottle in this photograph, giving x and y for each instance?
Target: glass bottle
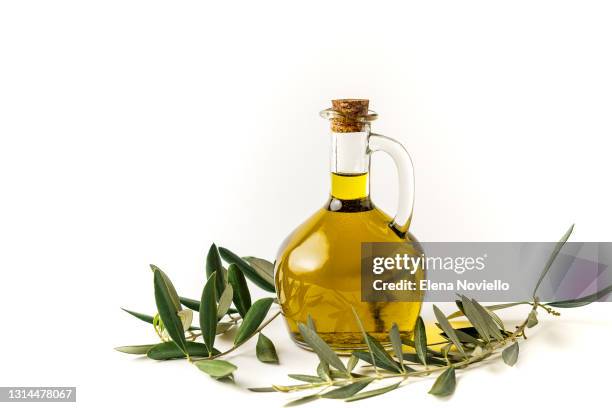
(318, 267)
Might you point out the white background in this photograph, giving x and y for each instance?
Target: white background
(134, 132)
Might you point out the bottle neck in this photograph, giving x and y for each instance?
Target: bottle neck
(349, 165)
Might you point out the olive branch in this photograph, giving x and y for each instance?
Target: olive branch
(461, 348)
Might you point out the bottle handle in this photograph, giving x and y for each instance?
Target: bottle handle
(405, 173)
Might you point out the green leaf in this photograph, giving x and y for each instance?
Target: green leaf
(208, 312)
(319, 346)
(490, 324)
(216, 368)
(140, 316)
(552, 257)
(383, 359)
(583, 301)
(169, 350)
(141, 349)
(266, 352)
(420, 341)
(532, 319)
(263, 267)
(223, 327)
(348, 390)
(373, 393)
(413, 358)
(213, 264)
(396, 342)
(323, 371)
(445, 383)
(225, 301)
(384, 364)
(169, 287)
(365, 338)
(262, 389)
(312, 379)
(475, 317)
(247, 269)
(241, 294)
(352, 363)
(448, 329)
(302, 400)
(253, 319)
(190, 303)
(490, 307)
(510, 354)
(167, 308)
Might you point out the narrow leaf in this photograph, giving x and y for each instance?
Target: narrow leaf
(312, 379)
(140, 316)
(373, 393)
(365, 338)
(141, 349)
(216, 368)
(302, 400)
(475, 318)
(382, 357)
(319, 346)
(352, 363)
(241, 294)
(208, 312)
(167, 308)
(253, 319)
(263, 267)
(448, 329)
(413, 358)
(510, 354)
(384, 364)
(262, 389)
(420, 341)
(348, 390)
(490, 324)
(323, 371)
(190, 303)
(247, 269)
(396, 342)
(266, 352)
(445, 383)
(225, 301)
(583, 301)
(552, 257)
(223, 327)
(169, 287)
(213, 264)
(169, 350)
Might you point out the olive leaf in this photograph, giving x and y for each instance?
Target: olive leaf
(140, 349)
(413, 358)
(552, 257)
(379, 363)
(583, 301)
(225, 301)
(169, 350)
(241, 294)
(365, 338)
(223, 327)
(190, 303)
(140, 316)
(253, 319)
(263, 267)
(475, 317)
(490, 324)
(510, 354)
(248, 270)
(305, 378)
(213, 264)
(348, 390)
(216, 368)
(532, 319)
(302, 400)
(208, 312)
(420, 341)
(448, 329)
(319, 346)
(323, 370)
(169, 287)
(381, 356)
(352, 363)
(396, 342)
(445, 383)
(167, 309)
(373, 393)
(266, 352)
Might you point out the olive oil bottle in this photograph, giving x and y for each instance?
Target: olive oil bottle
(318, 267)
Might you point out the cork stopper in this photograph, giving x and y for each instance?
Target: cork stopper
(351, 115)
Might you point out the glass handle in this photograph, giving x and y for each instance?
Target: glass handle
(405, 173)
